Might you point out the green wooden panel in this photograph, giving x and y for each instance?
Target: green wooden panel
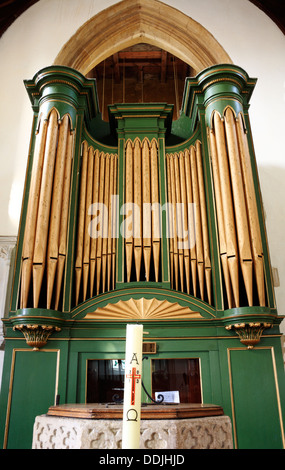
(255, 399)
(33, 391)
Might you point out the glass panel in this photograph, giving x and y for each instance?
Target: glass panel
(105, 379)
(182, 375)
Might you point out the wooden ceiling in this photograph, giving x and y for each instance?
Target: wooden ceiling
(12, 9)
(141, 61)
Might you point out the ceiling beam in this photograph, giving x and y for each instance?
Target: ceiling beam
(163, 66)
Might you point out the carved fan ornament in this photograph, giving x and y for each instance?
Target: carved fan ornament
(148, 309)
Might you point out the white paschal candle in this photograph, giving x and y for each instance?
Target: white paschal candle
(132, 387)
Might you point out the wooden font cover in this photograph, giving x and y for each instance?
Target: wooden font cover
(149, 411)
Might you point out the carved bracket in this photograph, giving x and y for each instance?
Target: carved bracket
(249, 333)
(36, 335)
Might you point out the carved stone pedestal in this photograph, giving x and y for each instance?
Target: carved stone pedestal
(58, 432)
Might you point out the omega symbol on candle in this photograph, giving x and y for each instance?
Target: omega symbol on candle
(132, 415)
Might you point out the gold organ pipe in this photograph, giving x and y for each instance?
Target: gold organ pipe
(179, 219)
(146, 198)
(110, 222)
(254, 226)
(32, 212)
(170, 218)
(185, 228)
(174, 220)
(191, 220)
(64, 217)
(206, 247)
(87, 238)
(95, 200)
(137, 175)
(81, 218)
(39, 257)
(55, 214)
(100, 230)
(95, 260)
(129, 200)
(239, 203)
(114, 222)
(105, 221)
(220, 217)
(228, 212)
(198, 223)
(155, 208)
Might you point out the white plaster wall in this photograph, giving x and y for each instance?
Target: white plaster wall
(251, 39)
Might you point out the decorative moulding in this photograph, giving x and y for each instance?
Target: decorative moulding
(36, 336)
(143, 309)
(249, 333)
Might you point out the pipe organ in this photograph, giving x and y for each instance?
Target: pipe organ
(158, 204)
(143, 218)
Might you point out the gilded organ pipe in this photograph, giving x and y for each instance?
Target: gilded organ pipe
(155, 210)
(170, 221)
(205, 234)
(129, 200)
(238, 225)
(174, 223)
(189, 233)
(138, 207)
(105, 222)
(44, 247)
(110, 224)
(62, 249)
(101, 215)
(98, 177)
(55, 215)
(115, 210)
(191, 215)
(32, 212)
(220, 218)
(95, 196)
(239, 204)
(41, 238)
(184, 218)
(198, 222)
(87, 239)
(179, 220)
(227, 206)
(142, 242)
(81, 220)
(146, 198)
(255, 234)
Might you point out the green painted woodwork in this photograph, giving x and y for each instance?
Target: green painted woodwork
(255, 371)
(65, 89)
(17, 267)
(248, 384)
(29, 397)
(150, 120)
(208, 341)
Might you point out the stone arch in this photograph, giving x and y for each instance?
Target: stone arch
(131, 22)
